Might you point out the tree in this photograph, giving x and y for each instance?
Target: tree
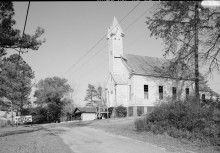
(50, 94)
(16, 89)
(10, 38)
(16, 81)
(183, 26)
(94, 95)
(91, 94)
(99, 95)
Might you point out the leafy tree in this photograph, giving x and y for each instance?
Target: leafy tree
(175, 22)
(94, 95)
(68, 108)
(50, 94)
(91, 94)
(99, 95)
(10, 38)
(16, 81)
(15, 73)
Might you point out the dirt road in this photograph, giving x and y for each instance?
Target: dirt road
(89, 140)
(107, 136)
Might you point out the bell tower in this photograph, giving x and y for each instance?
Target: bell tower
(115, 45)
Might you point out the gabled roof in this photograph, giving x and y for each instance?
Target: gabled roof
(119, 79)
(144, 64)
(85, 110)
(153, 66)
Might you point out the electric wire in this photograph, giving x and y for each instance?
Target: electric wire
(100, 40)
(98, 51)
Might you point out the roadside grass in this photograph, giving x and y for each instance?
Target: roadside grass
(126, 127)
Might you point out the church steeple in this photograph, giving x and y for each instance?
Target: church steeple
(115, 29)
(115, 45)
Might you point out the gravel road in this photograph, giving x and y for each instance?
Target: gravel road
(89, 140)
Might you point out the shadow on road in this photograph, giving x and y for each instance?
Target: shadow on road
(15, 131)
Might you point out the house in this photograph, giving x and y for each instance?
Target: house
(85, 113)
(140, 82)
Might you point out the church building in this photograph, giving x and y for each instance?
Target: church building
(135, 81)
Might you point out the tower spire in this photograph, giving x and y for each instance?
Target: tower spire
(115, 29)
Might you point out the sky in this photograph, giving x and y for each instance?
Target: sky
(76, 44)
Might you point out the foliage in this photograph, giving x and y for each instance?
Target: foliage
(10, 38)
(184, 120)
(174, 23)
(121, 111)
(94, 96)
(15, 79)
(50, 95)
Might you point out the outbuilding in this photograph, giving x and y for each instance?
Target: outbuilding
(85, 113)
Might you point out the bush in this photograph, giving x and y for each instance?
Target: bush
(184, 120)
(121, 111)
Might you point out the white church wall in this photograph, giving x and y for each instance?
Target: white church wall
(110, 93)
(122, 95)
(153, 89)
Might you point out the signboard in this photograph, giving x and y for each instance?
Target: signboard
(23, 119)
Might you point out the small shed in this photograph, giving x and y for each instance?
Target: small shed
(85, 113)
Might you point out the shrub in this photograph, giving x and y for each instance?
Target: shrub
(121, 111)
(184, 120)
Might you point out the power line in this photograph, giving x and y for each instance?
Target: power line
(139, 17)
(95, 68)
(19, 54)
(98, 51)
(124, 31)
(101, 39)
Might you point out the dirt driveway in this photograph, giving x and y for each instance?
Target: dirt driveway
(89, 140)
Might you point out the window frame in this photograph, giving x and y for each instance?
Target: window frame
(160, 92)
(146, 91)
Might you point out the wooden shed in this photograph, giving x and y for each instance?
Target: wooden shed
(85, 113)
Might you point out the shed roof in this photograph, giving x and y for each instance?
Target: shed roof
(85, 110)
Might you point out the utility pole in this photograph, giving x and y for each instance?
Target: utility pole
(196, 55)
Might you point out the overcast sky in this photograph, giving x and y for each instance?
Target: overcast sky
(72, 29)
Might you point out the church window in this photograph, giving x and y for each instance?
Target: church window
(160, 92)
(130, 92)
(146, 92)
(187, 93)
(174, 93)
(203, 97)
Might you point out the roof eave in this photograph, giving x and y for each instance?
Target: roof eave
(144, 74)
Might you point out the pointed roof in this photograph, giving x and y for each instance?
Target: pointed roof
(115, 28)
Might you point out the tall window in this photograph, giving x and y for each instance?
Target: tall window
(174, 93)
(146, 92)
(160, 92)
(187, 93)
(129, 92)
(203, 97)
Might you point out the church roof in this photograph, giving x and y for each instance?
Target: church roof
(119, 79)
(144, 64)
